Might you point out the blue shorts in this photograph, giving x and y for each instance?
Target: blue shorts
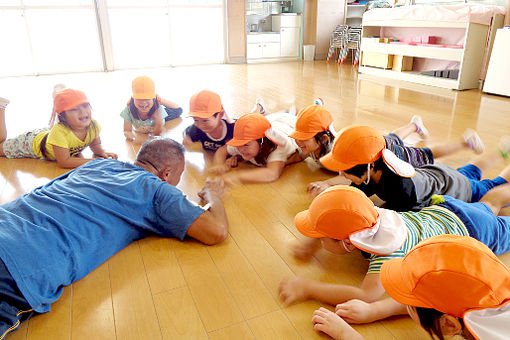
(14, 309)
(172, 113)
(479, 186)
(482, 224)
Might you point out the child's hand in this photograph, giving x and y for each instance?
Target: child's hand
(355, 311)
(292, 290)
(328, 322)
(305, 249)
(315, 188)
(231, 162)
(129, 135)
(110, 155)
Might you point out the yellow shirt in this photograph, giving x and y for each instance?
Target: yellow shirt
(61, 136)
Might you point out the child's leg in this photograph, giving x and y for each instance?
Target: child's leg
(470, 140)
(3, 127)
(415, 125)
(497, 197)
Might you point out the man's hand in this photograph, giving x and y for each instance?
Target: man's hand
(213, 188)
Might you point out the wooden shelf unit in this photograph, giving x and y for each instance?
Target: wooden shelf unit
(470, 56)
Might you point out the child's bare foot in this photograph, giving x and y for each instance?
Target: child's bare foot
(293, 290)
(305, 249)
(328, 322)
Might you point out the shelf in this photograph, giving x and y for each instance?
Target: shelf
(411, 76)
(453, 54)
(416, 23)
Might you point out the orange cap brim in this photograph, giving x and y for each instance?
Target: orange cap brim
(305, 226)
(238, 142)
(332, 164)
(203, 115)
(300, 135)
(397, 286)
(144, 96)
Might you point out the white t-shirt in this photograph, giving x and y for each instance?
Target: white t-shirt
(282, 124)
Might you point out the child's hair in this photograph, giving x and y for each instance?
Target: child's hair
(134, 110)
(429, 320)
(62, 120)
(266, 147)
(360, 169)
(325, 144)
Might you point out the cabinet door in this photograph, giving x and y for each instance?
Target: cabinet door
(289, 41)
(254, 50)
(271, 50)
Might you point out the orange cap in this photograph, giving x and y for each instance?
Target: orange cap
(204, 104)
(450, 273)
(143, 88)
(310, 121)
(337, 213)
(251, 126)
(68, 99)
(354, 145)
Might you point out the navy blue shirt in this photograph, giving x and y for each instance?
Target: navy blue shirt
(209, 143)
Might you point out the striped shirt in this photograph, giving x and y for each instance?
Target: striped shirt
(430, 221)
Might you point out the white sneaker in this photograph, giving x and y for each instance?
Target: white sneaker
(473, 141)
(4, 102)
(504, 144)
(57, 88)
(260, 106)
(318, 101)
(420, 127)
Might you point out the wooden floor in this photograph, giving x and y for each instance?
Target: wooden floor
(165, 289)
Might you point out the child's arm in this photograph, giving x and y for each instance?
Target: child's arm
(64, 159)
(128, 131)
(220, 165)
(357, 311)
(98, 150)
(267, 174)
(328, 322)
(158, 126)
(316, 188)
(297, 288)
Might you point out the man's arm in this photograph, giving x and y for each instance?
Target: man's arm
(211, 227)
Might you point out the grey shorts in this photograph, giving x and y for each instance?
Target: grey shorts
(21, 146)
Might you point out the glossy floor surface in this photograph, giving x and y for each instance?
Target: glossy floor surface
(165, 289)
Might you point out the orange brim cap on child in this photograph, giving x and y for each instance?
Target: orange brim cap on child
(204, 104)
(251, 126)
(143, 88)
(310, 121)
(456, 275)
(337, 212)
(344, 212)
(354, 145)
(68, 99)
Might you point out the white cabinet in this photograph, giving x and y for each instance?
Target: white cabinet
(289, 27)
(263, 45)
(469, 57)
(496, 80)
(290, 41)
